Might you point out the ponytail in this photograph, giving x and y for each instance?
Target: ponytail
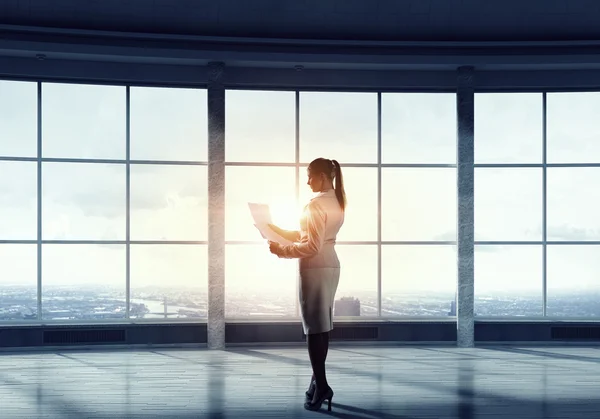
(339, 185)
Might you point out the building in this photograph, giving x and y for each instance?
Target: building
(134, 133)
(452, 311)
(347, 306)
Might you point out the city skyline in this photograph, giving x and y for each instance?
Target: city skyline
(86, 201)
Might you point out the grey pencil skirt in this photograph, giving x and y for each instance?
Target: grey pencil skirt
(317, 294)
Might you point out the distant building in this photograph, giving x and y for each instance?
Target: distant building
(347, 306)
(452, 311)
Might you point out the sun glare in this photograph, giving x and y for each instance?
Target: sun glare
(285, 215)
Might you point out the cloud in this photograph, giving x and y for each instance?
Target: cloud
(108, 204)
(571, 233)
(446, 236)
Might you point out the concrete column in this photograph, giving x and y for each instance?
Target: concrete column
(465, 107)
(216, 207)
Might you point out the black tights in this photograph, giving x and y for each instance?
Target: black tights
(318, 346)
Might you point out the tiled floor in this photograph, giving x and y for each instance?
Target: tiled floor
(369, 382)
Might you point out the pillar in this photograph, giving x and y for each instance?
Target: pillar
(465, 109)
(216, 207)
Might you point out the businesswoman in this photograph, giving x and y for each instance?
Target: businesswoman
(319, 267)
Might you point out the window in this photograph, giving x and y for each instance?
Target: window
(418, 280)
(418, 128)
(573, 127)
(18, 200)
(18, 119)
(251, 270)
(573, 203)
(18, 282)
(260, 126)
(83, 121)
(508, 280)
(418, 204)
(357, 290)
(83, 282)
(169, 202)
(508, 128)
(258, 283)
(340, 126)
(573, 286)
(83, 201)
(508, 204)
(169, 281)
(169, 124)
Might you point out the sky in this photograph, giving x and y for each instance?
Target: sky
(84, 201)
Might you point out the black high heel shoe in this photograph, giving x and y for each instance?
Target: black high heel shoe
(328, 395)
(311, 390)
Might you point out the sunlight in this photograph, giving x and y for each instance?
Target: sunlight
(285, 214)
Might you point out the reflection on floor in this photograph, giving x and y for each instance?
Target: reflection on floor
(369, 382)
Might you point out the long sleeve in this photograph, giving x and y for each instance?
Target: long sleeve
(290, 235)
(315, 229)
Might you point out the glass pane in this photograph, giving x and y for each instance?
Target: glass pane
(573, 128)
(508, 127)
(419, 204)
(418, 127)
(18, 200)
(258, 283)
(83, 121)
(573, 203)
(18, 282)
(340, 126)
(274, 186)
(171, 275)
(418, 280)
(508, 204)
(260, 126)
(84, 201)
(508, 280)
(169, 202)
(83, 282)
(357, 290)
(18, 119)
(573, 285)
(360, 222)
(169, 124)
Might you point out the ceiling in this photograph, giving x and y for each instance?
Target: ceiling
(374, 20)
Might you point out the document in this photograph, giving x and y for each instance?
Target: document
(270, 235)
(261, 213)
(262, 218)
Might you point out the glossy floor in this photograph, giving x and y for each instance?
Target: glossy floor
(369, 382)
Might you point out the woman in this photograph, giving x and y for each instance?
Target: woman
(319, 267)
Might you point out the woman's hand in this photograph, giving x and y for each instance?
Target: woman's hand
(274, 248)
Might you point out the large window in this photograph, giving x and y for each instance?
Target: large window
(536, 204)
(344, 127)
(508, 204)
(114, 203)
(573, 202)
(418, 205)
(104, 201)
(260, 167)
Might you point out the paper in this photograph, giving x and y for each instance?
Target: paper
(270, 235)
(262, 218)
(261, 213)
